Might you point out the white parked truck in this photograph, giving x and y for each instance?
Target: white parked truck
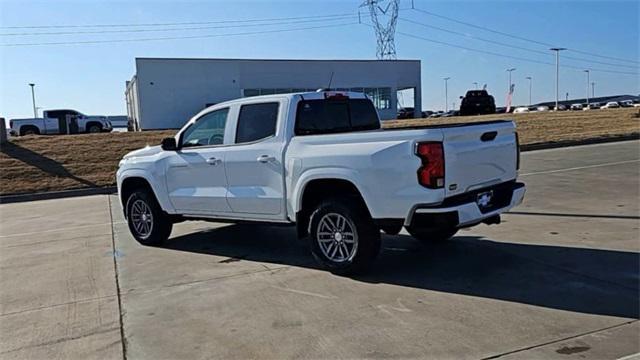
(320, 161)
(60, 122)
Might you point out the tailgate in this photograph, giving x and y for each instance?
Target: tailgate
(479, 155)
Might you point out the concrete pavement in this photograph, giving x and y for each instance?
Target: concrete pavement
(559, 278)
(58, 294)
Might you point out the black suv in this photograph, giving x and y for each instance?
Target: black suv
(477, 102)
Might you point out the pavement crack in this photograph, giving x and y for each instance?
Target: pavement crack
(559, 340)
(54, 241)
(123, 339)
(187, 283)
(56, 305)
(57, 341)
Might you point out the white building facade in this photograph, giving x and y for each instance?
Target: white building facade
(165, 93)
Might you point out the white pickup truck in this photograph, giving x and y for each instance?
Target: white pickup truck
(60, 122)
(320, 161)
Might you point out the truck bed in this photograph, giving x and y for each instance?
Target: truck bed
(440, 126)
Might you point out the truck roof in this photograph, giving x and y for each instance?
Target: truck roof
(309, 95)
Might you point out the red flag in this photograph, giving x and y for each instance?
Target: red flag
(510, 97)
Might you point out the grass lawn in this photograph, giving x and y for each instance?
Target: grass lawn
(50, 163)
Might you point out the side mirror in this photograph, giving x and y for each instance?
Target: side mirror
(461, 97)
(169, 144)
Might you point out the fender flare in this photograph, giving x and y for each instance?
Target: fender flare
(156, 187)
(325, 173)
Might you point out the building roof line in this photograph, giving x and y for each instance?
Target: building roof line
(279, 60)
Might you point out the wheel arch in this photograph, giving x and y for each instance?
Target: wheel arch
(91, 123)
(316, 188)
(24, 128)
(134, 180)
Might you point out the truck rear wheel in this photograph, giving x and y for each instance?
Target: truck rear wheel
(432, 235)
(147, 222)
(29, 130)
(344, 238)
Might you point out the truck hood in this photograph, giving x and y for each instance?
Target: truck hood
(146, 151)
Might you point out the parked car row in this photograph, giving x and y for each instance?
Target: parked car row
(575, 107)
(480, 102)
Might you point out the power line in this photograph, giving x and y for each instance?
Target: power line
(172, 24)
(504, 55)
(509, 45)
(519, 37)
(342, 17)
(176, 37)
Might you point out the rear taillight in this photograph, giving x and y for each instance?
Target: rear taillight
(431, 173)
(517, 151)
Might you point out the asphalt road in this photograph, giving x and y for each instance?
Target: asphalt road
(559, 278)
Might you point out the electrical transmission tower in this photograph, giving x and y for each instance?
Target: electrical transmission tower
(384, 15)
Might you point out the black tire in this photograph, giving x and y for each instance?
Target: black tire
(29, 130)
(160, 226)
(94, 129)
(392, 229)
(432, 235)
(365, 233)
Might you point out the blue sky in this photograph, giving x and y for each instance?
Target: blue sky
(91, 77)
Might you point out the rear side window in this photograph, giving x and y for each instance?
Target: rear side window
(256, 121)
(333, 116)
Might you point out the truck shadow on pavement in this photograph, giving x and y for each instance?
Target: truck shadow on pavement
(591, 281)
(41, 162)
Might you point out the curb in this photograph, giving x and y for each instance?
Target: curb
(569, 143)
(8, 199)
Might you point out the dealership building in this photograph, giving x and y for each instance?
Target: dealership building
(165, 93)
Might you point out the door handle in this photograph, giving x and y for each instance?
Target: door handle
(213, 161)
(265, 158)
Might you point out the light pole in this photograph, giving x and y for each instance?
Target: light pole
(530, 81)
(593, 90)
(446, 94)
(557, 50)
(33, 98)
(587, 71)
(475, 84)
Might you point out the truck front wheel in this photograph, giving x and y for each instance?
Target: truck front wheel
(94, 128)
(344, 238)
(147, 222)
(432, 235)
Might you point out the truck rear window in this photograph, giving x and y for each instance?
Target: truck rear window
(334, 116)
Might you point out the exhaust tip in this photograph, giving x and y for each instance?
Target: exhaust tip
(494, 220)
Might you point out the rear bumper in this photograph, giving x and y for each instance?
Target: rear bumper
(462, 210)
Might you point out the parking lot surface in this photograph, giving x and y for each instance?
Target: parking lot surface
(559, 278)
